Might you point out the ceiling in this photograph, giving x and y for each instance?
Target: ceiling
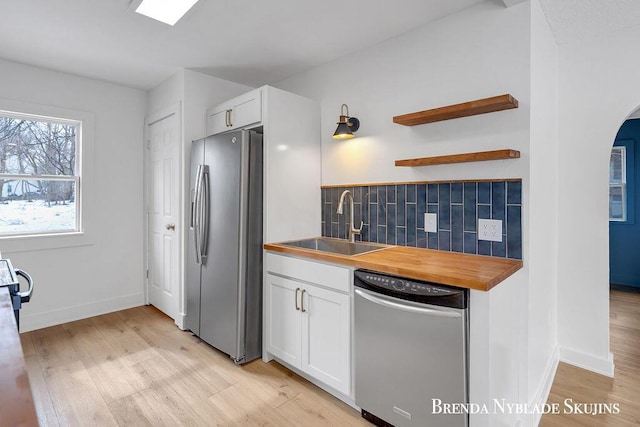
(253, 42)
(578, 20)
(573, 21)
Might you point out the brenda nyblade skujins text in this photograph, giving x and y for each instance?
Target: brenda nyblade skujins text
(501, 406)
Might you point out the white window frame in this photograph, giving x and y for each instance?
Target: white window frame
(622, 184)
(83, 235)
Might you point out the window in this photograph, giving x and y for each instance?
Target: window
(39, 174)
(617, 184)
(622, 180)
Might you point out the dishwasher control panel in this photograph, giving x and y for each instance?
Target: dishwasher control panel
(403, 285)
(409, 289)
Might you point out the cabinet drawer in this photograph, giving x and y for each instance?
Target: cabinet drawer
(329, 276)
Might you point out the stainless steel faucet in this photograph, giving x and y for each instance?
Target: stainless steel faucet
(352, 230)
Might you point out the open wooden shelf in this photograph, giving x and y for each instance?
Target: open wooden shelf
(461, 158)
(471, 108)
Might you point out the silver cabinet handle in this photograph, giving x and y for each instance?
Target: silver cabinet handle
(302, 301)
(171, 227)
(296, 298)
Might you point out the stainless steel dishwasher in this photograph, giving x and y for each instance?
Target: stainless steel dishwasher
(410, 348)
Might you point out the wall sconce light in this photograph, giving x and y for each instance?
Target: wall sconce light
(346, 125)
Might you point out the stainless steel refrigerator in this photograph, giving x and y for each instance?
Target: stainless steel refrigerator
(224, 265)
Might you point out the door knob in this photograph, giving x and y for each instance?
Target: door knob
(171, 227)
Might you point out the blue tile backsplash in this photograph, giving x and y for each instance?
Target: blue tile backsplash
(394, 214)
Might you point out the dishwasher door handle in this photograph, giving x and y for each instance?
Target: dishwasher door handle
(381, 300)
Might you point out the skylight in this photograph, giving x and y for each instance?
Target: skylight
(167, 11)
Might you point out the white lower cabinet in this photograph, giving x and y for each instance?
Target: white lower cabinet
(309, 327)
(284, 325)
(326, 337)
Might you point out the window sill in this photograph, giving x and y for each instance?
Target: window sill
(39, 242)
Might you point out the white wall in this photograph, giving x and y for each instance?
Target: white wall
(107, 274)
(193, 93)
(599, 87)
(167, 94)
(479, 52)
(196, 92)
(202, 92)
(541, 299)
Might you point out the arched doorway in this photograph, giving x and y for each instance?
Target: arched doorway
(624, 205)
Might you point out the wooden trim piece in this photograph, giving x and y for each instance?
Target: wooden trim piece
(16, 402)
(442, 181)
(461, 158)
(471, 108)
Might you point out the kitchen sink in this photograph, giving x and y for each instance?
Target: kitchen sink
(334, 246)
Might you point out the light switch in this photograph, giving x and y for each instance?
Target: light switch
(430, 222)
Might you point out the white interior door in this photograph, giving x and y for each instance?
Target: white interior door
(164, 215)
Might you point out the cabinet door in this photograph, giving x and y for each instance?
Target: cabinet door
(247, 110)
(217, 122)
(283, 320)
(326, 337)
(236, 113)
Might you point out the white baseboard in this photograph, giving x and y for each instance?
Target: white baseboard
(588, 361)
(544, 388)
(70, 314)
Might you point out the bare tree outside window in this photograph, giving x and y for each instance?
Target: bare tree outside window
(38, 177)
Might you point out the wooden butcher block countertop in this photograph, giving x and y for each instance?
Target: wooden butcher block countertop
(16, 401)
(447, 268)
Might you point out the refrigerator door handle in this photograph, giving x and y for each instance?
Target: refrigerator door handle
(205, 212)
(194, 202)
(195, 213)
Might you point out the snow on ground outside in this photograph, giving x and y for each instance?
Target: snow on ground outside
(20, 216)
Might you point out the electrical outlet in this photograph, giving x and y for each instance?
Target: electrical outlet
(490, 229)
(431, 222)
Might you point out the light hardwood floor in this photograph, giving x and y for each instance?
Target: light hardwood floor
(135, 368)
(584, 386)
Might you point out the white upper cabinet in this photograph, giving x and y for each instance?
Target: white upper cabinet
(217, 121)
(237, 113)
(247, 110)
(291, 159)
